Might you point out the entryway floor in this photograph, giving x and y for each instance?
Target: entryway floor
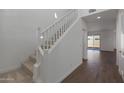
(100, 68)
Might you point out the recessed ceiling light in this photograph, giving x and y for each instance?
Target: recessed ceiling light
(41, 37)
(98, 17)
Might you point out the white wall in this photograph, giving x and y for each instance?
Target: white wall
(66, 56)
(108, 39)
(18, 34)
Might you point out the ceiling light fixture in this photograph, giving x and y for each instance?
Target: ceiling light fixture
(98, 17)
(41, 37)
(55, 15)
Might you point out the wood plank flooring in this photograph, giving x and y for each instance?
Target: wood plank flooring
(100, 68)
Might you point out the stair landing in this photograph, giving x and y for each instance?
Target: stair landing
(15, 76)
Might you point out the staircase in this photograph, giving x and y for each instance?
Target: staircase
(46, 40)
(27, 66)
(49, 37)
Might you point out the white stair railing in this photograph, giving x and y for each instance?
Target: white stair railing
(49, 36)
(46, 39)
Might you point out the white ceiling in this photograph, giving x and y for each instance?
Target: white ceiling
(107, 21)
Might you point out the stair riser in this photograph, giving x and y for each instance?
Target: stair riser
(32, 59)
(27, 70)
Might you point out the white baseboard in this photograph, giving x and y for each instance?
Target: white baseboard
(68, 73)
(107, 50)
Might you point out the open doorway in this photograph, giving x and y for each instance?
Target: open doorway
(100, 65)
(94, 42)
(101, 37)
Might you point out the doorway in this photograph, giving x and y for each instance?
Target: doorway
(94, 42)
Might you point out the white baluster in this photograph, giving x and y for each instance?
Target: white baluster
(68, 21)
(62, 26)
(55, 29)
(65, 24)
(54, 33)
(44, 42)
(58, 31)
(51, 36)
(47, 39)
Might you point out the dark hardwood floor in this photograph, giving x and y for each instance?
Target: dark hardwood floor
(100, 68)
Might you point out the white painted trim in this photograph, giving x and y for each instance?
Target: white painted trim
(107, 50)
(96, 12)
(41, 51)
(68, 73)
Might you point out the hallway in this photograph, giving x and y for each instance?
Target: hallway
(100, 68)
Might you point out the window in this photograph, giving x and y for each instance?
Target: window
(90, 41)
(94, 41)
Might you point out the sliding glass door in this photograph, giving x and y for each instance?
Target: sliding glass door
(94, 41)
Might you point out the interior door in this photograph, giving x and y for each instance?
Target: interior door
(120, 42)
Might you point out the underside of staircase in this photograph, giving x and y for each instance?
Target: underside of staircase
(24, 74)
